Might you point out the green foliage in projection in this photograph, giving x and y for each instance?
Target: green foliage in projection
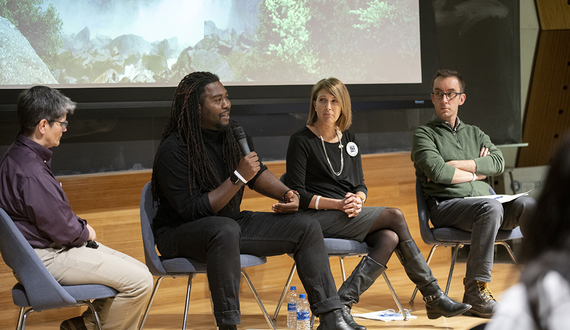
(282, 40)
(41, 27)
(391, 23)
(326, 37)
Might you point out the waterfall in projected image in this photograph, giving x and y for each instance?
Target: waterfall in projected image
(245, 42)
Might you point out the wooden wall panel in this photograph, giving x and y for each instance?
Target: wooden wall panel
(548, 113)
(104, 191)
(553, 14)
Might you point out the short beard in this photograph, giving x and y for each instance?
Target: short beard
(221, 127)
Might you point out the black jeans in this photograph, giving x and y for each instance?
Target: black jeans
(218, 241)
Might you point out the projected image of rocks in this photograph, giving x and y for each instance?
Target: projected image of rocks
(246, 42)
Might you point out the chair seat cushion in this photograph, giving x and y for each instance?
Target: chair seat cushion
(338, 246)
(248, 260)
(78, 292)
(184, 266)
(452, 235)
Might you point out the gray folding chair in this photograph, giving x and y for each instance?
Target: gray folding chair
(38, 290)
(453, 237)
(341, 248)
(176, 267)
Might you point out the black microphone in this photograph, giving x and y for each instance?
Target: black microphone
(240, 137)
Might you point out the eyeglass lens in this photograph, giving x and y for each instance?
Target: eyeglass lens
(450, 95)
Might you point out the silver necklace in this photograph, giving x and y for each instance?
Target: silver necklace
(340, 146)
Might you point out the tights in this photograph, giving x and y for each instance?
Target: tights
(389, 229)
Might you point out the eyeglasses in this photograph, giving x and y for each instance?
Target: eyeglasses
(450, 95)
(62, 123)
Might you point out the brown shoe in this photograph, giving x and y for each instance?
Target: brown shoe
(75, 323)
(480, 297)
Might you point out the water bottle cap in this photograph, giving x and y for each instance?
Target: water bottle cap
(293, 288)
(302, 295)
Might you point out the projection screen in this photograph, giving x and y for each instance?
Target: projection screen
(138, 43)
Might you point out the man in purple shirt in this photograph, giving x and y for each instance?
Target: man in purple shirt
(37, 204)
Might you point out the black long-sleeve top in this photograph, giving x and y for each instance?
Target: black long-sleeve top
(309, 173)
(176, 204)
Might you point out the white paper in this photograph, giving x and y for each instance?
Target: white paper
(502, 198)
(386, 316)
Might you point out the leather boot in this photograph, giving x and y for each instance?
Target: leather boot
(479, 295)
(437, 303)
(75, 323)
(333, 320)
(362, 277)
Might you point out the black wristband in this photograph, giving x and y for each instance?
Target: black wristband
(236, 180)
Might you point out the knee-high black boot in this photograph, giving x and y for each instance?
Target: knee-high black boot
(362, 277)
(437, 303)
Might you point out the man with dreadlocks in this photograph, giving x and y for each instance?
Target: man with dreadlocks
(198, 179)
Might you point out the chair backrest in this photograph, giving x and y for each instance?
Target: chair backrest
(147, 214)
(423, 216)
(42, 290)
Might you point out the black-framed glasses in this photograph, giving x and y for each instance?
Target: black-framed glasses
(62, 123)
(450, 95)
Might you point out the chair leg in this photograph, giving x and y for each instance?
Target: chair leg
(187, 303)
(147, 310)
(22, 316)
(428, 260)
(395, 296)
(510, 251)
(256, 296)
(95, 314)
(284, 293)
(453, 259)
(341, 261)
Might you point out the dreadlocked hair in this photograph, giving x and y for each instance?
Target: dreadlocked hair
(184, 120)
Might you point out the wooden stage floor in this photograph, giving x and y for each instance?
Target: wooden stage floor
(166, 312)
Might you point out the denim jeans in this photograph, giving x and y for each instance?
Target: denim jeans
(218, 242)
(483, 218)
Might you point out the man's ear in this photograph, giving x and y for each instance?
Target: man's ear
(462, 99)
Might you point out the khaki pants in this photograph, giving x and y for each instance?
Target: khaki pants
(106, 266)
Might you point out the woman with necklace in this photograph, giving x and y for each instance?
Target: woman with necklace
(324, 166)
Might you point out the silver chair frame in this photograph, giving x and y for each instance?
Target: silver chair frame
(341, 261)
(157, 268)
(429, 238)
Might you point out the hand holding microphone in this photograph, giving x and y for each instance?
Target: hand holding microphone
(249, 164)
(242, 140)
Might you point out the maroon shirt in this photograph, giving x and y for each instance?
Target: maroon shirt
(35, 201)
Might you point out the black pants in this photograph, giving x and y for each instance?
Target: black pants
(483, 218)
(218, 241)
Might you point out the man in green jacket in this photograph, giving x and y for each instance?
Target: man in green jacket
(452, 159)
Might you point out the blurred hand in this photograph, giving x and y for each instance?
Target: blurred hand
(92, 233)
(290, 205)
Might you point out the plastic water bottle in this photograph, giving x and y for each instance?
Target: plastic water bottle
(292, 300)
(303, 314)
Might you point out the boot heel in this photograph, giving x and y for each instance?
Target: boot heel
(439, 304)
